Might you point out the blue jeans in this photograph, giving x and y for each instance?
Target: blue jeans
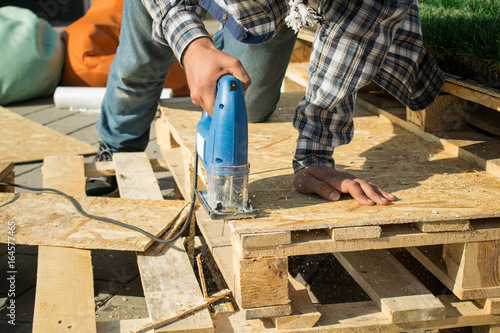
(140, 66)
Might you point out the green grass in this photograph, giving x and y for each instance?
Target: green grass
(463, 35)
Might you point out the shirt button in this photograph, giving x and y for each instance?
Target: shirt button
(224, 16)
(245, 36)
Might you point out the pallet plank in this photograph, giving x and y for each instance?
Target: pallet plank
(167, 278)
(64, 299)
(22, 140)
(49, 219)
(401, 297)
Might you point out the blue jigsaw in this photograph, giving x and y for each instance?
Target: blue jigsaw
(222, 146)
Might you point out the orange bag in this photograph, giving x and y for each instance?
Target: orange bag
(91, 44)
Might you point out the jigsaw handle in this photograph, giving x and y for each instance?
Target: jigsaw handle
(223, 139)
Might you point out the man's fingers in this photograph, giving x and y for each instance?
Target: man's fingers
(307, 184)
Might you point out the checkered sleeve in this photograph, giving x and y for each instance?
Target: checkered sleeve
(359, 42)
(176, 23)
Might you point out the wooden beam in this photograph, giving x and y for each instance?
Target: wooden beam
(473, 92)
(345, 234)
(400, 296)
(64, 299)
(404, 235)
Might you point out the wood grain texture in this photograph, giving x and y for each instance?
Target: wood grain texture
(400, 296)
(49, 219)
(432, 184)
(64, 299)
(22, 140)
(167, 277)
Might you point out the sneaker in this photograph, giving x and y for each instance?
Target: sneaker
(102, 185)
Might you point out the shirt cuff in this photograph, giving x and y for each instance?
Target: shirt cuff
(309, 152)
(180, 35)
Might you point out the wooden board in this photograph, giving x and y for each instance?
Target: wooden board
(22, 140)
(167, 277)
(400, 296)
(64, 299)
(363, 317)
(49, 219)
(431, 184)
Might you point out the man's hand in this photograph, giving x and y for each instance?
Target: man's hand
(329, 183)
(205, 65)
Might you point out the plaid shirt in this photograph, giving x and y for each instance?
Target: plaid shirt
(358, 42)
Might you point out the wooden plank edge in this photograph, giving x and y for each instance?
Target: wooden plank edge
(394, 236)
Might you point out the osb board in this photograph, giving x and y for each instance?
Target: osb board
(22, 140)
(49, 219)
(431, 184)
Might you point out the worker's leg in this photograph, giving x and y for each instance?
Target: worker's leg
(265, 63)
(135, 82)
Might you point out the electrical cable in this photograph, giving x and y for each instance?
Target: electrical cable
(80, 210)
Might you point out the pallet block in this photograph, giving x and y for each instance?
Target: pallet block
(430, 211)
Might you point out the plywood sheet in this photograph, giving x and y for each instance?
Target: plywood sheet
(22, 140)
(49, 219)
(431, 184)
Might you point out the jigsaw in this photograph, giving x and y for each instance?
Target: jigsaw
(222, 146)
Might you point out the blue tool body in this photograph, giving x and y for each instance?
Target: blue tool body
(225, 135)
(222, 146)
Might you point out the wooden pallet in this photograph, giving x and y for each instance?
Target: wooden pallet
(64, 298)
(253, 254)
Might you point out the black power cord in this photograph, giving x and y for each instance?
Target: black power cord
(80, 210)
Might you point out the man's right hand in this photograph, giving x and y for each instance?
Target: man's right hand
(205, 65)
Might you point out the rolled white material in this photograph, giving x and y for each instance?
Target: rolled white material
(86, 99)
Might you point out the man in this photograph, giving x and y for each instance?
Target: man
(357, 41)
(139, 68)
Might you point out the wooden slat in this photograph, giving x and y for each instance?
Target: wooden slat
(64, 299)
(167, 278)
(474, 93)
(22, 140)
(401, 297)
(308, 242)
(344, 234)
(265, 239)
(441, 226)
